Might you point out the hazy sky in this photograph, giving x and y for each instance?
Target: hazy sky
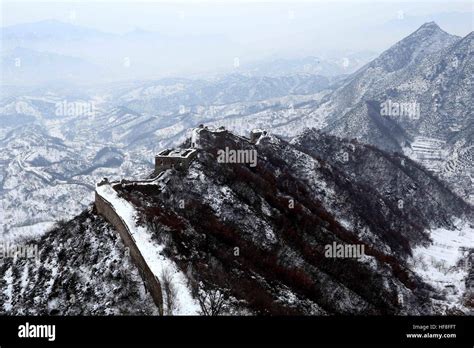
(251, 30)
(338, 22)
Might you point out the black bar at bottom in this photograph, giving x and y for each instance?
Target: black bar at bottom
(245, 330)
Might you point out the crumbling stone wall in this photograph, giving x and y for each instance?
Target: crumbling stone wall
(152, 283)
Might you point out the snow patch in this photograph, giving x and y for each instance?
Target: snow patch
(437, 263)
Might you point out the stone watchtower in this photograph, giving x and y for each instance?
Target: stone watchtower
(255, 134)
(177, 158)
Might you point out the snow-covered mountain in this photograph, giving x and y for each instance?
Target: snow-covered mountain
(280, 215)
(58, 142)
(137, 119)
(83, 270)
(415, 98)
(174, 95)
(400, 193)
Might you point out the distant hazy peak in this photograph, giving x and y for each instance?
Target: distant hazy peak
(430, 26)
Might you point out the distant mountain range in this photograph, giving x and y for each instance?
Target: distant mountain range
(48, 30)
(30, 67)
(52, 50)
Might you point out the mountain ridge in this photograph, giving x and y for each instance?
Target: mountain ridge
(281, 244)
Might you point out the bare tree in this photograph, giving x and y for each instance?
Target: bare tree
(209, 286)
(211, 300)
